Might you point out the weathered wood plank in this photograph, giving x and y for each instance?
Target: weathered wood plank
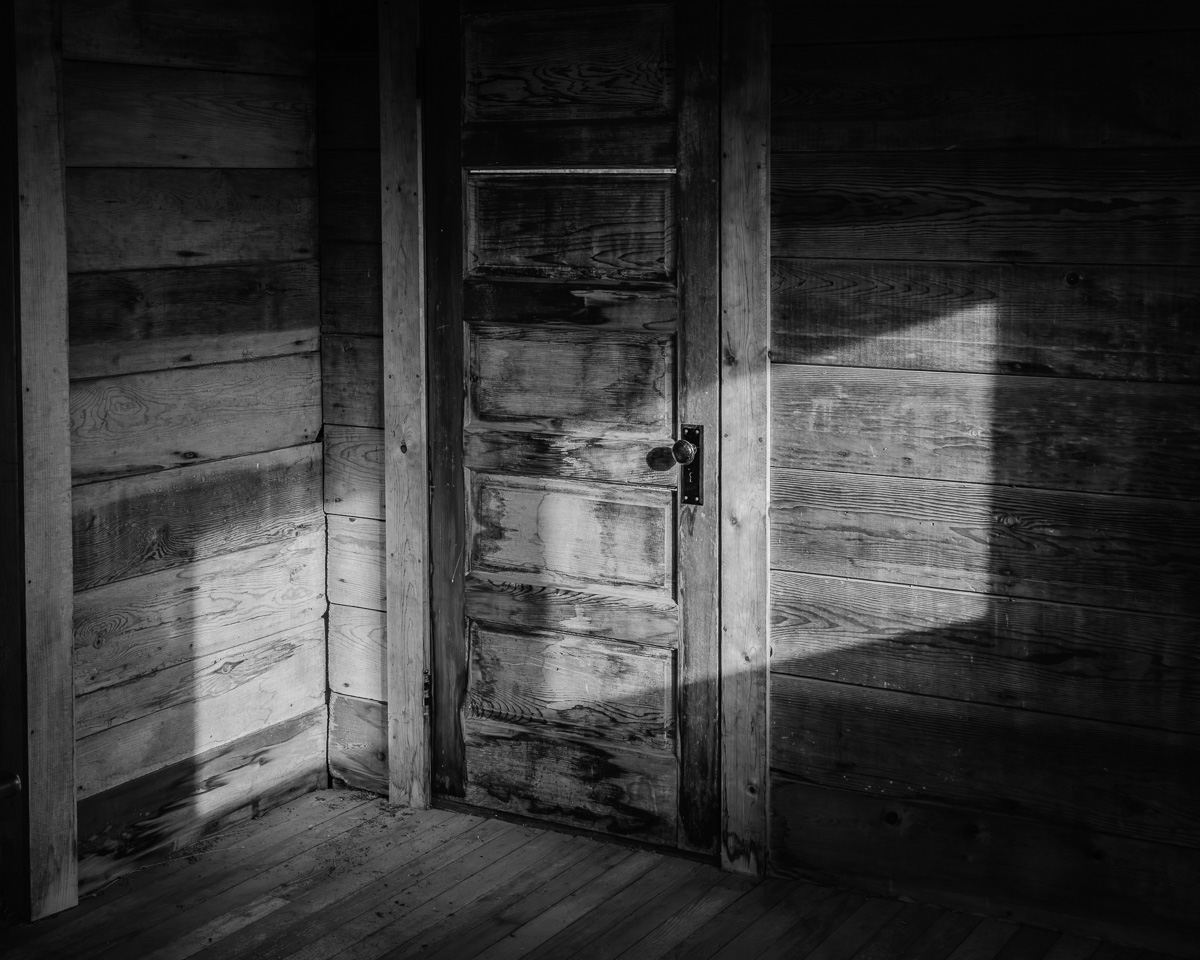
(134, 627)
(516, 143)
(1130, 553)
(132, 219)
(572, 611)
(348, 103)
(560, 65)
(358, 652)
(1103, 436)
(147, 422)
(351, 288)
(270, 36)
(571, 226)
(1070, 320)
(1058, 658)
(612, 539)
(293, 686)
(350, 204)
(585, 783)
(562, 455)
(129, 527)
(354, 471)
(121, 115)
(132, 321)
(1118, 207)
(1048, 874)
(352, 380)
(196, 679)
(1113, 778)
(357, 563)
(1132, 90)
(358, 744)
(594, 688)
(155, 815)
(571, 381)
(650, 309)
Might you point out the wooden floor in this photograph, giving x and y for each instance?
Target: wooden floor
(339, 874)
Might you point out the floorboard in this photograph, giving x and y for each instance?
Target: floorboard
(341, 874)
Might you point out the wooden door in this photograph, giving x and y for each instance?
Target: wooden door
(571, 185)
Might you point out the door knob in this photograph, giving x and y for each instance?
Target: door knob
(684, 451)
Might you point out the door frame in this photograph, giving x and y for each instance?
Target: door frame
(410, 390)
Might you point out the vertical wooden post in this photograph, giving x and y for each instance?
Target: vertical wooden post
(745, 437)
(406, 460)
(35, 479)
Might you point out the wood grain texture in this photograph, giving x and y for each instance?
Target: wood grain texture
(131, 321)
(138, 423)
(745, 433)
(348, 103)
(134, 219)
(131, 628)
(358, 652)
(570, 381)
(586, 143)
(1132, 90)
(121, 115)
(1126, 322)
(589, 784)
(357, 567)
(294, 685)
(351, 288)
(1070, 877)
(1138, 439)
(1132, 668)
(1112, 778)
(129, 527)
(350, 201)
(601, 689)
(352, 380)
(610, 539)
(572, 611)
(354, 468)
(1119, 207)
(270, 36)
(1128, 553)
(529, 453)
(358, 744)
(151, 817)
(571, 226)
(649, 309)
(559, 65)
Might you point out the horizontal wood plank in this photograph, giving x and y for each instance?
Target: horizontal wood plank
(1071, 320)
(594, 688)
(517, 143)
(356, 562)
(269, 36)
(357, 652)
(571, 226)
(130, 321)
(553, 64)
(1066, 434)
(358, 743)
(348, 102)
(1124, 552)
(354, 471)
(142, 625)
(134, 219)
(1112, 778)
(121, 115)
(1117, 207)
(350, 204)
(351, 288)
(1134, 668)
(145, 422)
(134, 526)
(352, 380)
(649, 309)
(623, 459)
(151, 817)
(588, 784)
(293, 686)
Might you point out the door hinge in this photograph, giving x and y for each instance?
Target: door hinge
(426, 691)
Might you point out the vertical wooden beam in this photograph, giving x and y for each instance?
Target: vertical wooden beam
(406, 459)
(37, 494)
(745, 439)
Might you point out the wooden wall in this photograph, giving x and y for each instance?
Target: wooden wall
(985, 388)
(352, 368)
(191, 196)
